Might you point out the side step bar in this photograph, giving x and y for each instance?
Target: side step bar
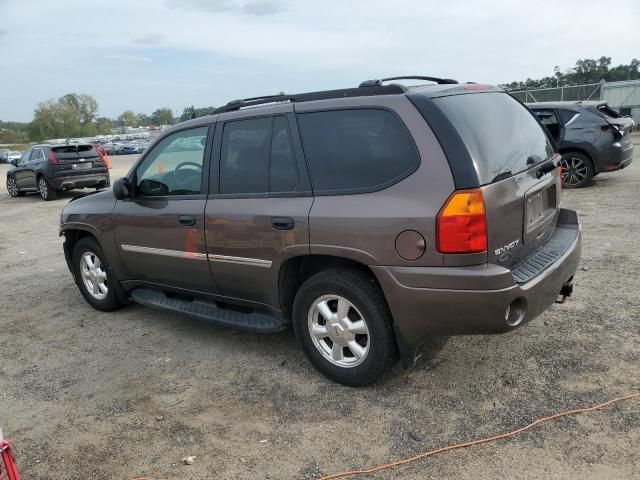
(255, 322)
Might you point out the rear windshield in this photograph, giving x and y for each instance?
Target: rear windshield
(502, 137)
(68, 151)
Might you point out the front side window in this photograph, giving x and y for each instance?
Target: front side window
(174, 166)
(356, 150)
(257, 157)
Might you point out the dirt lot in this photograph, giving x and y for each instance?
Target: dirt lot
(85, 394)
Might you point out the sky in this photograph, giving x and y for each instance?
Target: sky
(141, 55)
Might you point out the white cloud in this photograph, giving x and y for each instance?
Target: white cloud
(126, 58)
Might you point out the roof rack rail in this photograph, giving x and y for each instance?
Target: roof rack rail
(378, 82)
(308, 97)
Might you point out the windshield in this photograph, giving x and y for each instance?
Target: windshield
(502, 137)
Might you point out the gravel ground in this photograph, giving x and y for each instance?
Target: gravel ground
(85, 394)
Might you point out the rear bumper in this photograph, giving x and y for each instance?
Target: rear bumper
(619, 157)
(428, 301)
(80, 181)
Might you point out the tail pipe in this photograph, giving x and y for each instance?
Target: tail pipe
(565, 291)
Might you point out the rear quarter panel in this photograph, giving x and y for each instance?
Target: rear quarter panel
(364, 227)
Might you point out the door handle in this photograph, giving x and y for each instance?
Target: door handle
(187, 220)
(283, 223)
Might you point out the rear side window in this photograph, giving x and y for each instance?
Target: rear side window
(360, 150)
(257, 157)
(566, 115)
(502, 136)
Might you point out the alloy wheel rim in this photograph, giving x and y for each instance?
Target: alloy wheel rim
(574, 171)
(12, 187)
(42, 186)
(94, 276)
(339, 331)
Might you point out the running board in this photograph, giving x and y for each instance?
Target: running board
(255, 322)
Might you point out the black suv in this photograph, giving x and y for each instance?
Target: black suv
(591, 136)
(48, 169)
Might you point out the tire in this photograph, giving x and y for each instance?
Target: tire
(46, 192)
(12, 187)
(105, 295)
(332, 350)
(577, 170)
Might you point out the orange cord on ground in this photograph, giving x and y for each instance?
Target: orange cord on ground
(480, 441)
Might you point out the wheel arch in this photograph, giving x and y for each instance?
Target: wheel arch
(296, 270)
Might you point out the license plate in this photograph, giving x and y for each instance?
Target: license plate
(82, 166)
(540, 206)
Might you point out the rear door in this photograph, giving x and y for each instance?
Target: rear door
(35, 162)
(159, 232)
(257, 215)
(508, 148)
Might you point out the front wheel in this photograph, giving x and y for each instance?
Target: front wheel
(12, 187)
(577, 170)
(343, 324)
(46, 192)
(94, 277)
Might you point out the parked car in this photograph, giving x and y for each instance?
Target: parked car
(369, 218)
(590, 136)
(49, 169)
(131, 149)
(6, 156)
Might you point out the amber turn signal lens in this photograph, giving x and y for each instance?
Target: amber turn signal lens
(462, 223)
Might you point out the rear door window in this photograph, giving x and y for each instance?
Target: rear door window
(566, 115)
(257, 157)
(501, 136)
(549, 119)
(359, 150)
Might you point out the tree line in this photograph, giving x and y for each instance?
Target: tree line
(586, 70)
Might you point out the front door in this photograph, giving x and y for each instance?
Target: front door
(21, 172)
(159, 232)
(259, 216)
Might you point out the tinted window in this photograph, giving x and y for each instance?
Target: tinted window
(284, 169)
(257, 157)
(500, 134)
(174, 166)
(356, 150)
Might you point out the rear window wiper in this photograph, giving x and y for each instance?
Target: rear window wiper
(502, 176)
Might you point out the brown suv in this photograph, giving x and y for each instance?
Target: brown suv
(370, 218)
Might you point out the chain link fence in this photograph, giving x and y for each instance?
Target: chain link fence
(591, 91)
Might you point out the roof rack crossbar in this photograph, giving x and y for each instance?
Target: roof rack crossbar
(378, 82)
(311, 96)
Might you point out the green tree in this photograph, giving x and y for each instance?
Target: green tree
(72, 115)
(144, 120)
(128, 119)
(587, 70)
(162, 116)
(103, 125)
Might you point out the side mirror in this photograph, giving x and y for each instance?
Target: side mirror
(14, 162)
(121, 188)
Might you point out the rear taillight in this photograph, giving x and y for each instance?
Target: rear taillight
(53, 160)
(462, 223)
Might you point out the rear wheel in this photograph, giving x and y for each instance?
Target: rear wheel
(46, 192)
(577, 170)
(12, 187)
(343, 324)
